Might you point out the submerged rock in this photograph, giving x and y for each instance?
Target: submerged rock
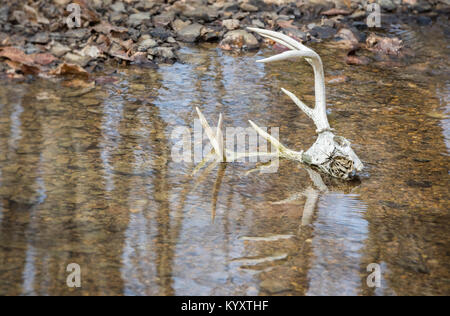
(353, 59)
(347, 39)
(384, 45)
(165, 53)
(323, 32)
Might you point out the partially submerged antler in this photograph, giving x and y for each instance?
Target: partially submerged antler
(330, 154)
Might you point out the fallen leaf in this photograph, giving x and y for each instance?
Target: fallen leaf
(119, 52)
(24, 68)
(279, 48)
(105, 80)
(91, 51)
(106, 28)
(87, 12)
(35, 16)
(336, 11)
(286, 24)
(77, 83)
(16, 55)
(44, 59)
(69, 69)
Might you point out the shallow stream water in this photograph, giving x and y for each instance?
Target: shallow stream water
(87, 177)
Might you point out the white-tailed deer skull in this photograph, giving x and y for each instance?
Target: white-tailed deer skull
(330, 154)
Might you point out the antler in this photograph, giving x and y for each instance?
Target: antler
(330, 154)
(297, 49)
(222, 154)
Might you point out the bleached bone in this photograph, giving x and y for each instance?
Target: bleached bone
(330, 154)
(219, 152)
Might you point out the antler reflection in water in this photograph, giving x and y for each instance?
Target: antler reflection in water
(312, 197)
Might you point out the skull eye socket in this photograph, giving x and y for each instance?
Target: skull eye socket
(340, 141)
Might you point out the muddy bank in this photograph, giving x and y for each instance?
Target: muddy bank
(35, 37)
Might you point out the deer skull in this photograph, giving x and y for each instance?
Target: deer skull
(330, 154)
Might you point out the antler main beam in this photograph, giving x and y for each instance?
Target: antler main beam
(330, 154)
(318, 114)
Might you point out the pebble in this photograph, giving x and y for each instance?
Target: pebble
(59, 50)
(274, 286)
(324, 32)
(190, 33)
(248, 7)
(137, 18)
(424, 20)
(387, 5)
(164, 19)
(162, 52)
(40, 38)
(118, 6)
(153, 23)
(205, 13)
(146, 44)
(160, 33)
(258, 23)
(239, 39)
(73, 58)
(180, 24)
(231, 24)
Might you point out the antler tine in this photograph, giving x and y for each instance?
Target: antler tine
(213, 138)
(221, 154)
(297, 49)
(267, 137)
(329, 154)
(286, 55)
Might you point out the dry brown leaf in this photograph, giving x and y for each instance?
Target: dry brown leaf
(25, 69)
(106, 28)
(16, 55)
(335, 11)
(87, 12)
(69, 69)
(43, 59)
(286, 24)
(35, 16)
(78, 83)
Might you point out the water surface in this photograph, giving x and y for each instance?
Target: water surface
(88, 178)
